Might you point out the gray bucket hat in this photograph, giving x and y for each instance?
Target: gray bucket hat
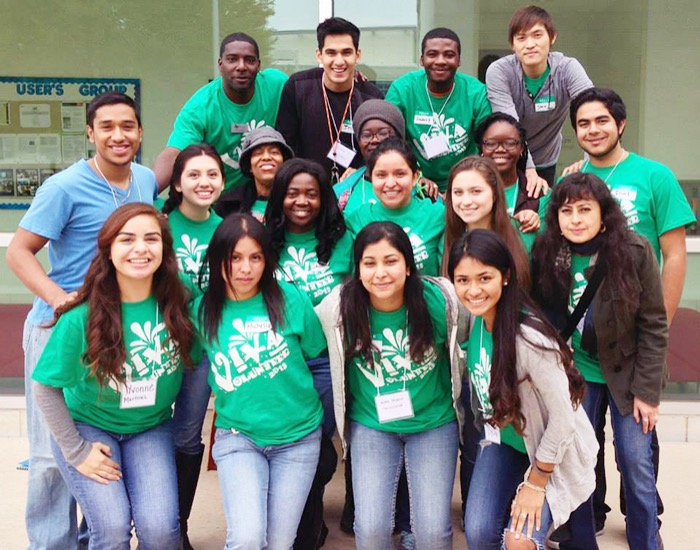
(265, 135)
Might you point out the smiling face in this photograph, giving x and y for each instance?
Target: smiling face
(531, 47)
(440, 59)
(338, 59)
(116, 133)
(302, 203)
(393, 180)
(580, 220)
(247, 266)
(501, 143)
(265, 160)
(239, 65)
(383, 273)
(598, 134)
(201, 184)
(472, 199)
(373, 132)
(479, 288)
(137, 251)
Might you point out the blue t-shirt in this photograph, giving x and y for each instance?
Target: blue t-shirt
(69, 210)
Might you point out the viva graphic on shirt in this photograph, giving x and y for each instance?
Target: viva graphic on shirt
(190, 256)
(457, 136)
(254, 350)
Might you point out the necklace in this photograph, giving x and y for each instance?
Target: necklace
(111, 187)
(436, 116)
(623, 155)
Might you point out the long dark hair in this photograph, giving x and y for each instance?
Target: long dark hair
(514, 309)
(354, 298)
(218, 259)
(330, 225)
(174, 196)
(500, 220)
(105, 354)
(551, 248)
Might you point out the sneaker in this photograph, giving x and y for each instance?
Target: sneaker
(406, 541)
(559, 535)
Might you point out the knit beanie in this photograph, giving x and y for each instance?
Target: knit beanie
(381, 110)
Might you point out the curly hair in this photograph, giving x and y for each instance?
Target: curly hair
(105, 354)
(499, 222)
(554, 277)
(330, 225)
(514, 309)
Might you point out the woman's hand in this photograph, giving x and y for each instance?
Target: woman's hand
(428, 187)
(648, 414)
(99, 465)
(529, 220)
(526, 507)
(536, 186)
(349, 170)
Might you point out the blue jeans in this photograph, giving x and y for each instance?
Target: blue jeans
(264, 488)
(51, 517)
(146, 494)
(498, 471)
(634, 460)
(191, 408)
(378, 457)
(321, 371)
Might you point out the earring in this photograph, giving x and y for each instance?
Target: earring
(602, 228)
(505, 284)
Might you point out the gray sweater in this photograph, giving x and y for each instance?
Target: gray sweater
(507, 94)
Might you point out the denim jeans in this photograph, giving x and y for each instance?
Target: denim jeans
(634, 460)
(321, 371)
(430, 458)
(498, 471)
(51, 517)
(146, 494)
(264, 488)
(191, 408)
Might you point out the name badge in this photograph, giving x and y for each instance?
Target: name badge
(624, 193)
(423, 119)
(139, 393)
(346, 127)
(394, 406)
(493, 434)
(239, 128)
(543, 104)
(341, 154)
(436, 146)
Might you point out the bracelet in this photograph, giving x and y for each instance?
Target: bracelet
(540, 470)
(532, 486)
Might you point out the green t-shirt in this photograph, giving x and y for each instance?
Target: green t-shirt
(152, 377)
(258, 210)
(428, 382)
(455, 116)
(422, 220)
(209, 116)
(589, 366)
(355, 191)
(649, 194)
(479, 354)
(299, 264)
(259, 376)
(533, 87)
(528, 239)
(190, 241)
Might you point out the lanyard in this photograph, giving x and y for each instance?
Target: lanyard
(436, 116)
(329, 116)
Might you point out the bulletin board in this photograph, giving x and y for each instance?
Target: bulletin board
(42, 129)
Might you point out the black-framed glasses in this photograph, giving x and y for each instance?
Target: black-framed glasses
(367, 135)
(508, 144)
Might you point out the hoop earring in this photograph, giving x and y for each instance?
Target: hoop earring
(602, 228)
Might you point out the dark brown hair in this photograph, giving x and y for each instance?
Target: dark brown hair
(527, 17)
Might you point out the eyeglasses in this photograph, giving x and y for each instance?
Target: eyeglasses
(508, 144)
(367, 135)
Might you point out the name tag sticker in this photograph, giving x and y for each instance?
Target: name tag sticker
(239, 128)
(346, 127)
(624, 193)
(493, 434)
(436, 146)
(394, 406)
(423, 119)
(546, 103)
(341, 154)
(139, 393)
